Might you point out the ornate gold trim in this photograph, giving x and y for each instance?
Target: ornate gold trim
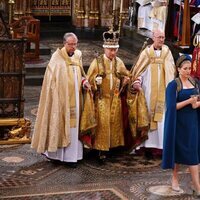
(11, 121)
(18, 131)
(94, 12)
(91, 17)
(80, 17)
(16, 141)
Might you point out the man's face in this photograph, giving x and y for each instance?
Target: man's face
(159, 39)
(110, 52)
(70, 44)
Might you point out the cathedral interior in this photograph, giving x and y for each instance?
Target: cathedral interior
(30, 31)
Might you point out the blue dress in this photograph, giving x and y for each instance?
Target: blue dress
(181, 143)
(186, 138)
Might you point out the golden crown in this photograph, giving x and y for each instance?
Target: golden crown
(111, 39)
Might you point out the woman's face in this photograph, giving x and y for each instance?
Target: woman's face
(185, 69)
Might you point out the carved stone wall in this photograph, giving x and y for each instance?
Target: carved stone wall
(51, 7)
(91, 13)
(84, 13)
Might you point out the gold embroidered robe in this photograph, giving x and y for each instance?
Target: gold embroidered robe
(154, 85)
(56, 110)
(109, 130)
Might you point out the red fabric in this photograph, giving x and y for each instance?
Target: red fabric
(176, 25)
(196, 60)
(83, 81)
(86, 139)
(128, 139)
(130, 142)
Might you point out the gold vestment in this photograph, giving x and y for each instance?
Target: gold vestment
(109, 130)
(166, 65)
(56, 111)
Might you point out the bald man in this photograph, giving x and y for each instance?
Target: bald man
(154, 69)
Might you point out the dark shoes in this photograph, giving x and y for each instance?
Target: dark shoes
(71, 164)
(58, 162)
(102, 157)
(149, 155)
(152, 153)
(54, 161)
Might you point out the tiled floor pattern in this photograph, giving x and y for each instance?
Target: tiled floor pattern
(35, 177)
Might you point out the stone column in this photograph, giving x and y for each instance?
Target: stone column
(125, 11)
(106, 13)
(79, 13)
(28, 8)
(94, 13)
(19, 9)
(86, 16)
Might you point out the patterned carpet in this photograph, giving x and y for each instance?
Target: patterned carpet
(123, 163)
(27, 175)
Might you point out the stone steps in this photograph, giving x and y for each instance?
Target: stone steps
(35, 74)
(33, 80)
(132, 39)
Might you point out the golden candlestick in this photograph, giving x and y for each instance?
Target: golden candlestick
(120, 22)
(120, 16)
(113, 19)
(11, 4)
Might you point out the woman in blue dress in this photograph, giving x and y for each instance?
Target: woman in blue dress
(181, 131)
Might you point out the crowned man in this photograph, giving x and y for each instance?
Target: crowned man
(56, 131)
(107, 75)
(154, 69)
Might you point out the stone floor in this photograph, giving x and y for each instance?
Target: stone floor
(26, 175)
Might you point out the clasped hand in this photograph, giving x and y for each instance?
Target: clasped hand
(193, 100)
(135, 87)
(126, 80)
(86, 85)
(98, 80)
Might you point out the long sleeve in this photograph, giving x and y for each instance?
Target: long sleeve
(170, 126)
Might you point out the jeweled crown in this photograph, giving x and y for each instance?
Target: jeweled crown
(111, 39)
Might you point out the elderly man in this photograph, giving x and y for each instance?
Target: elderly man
(107, 75)
(57, 123)
(154, 69)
